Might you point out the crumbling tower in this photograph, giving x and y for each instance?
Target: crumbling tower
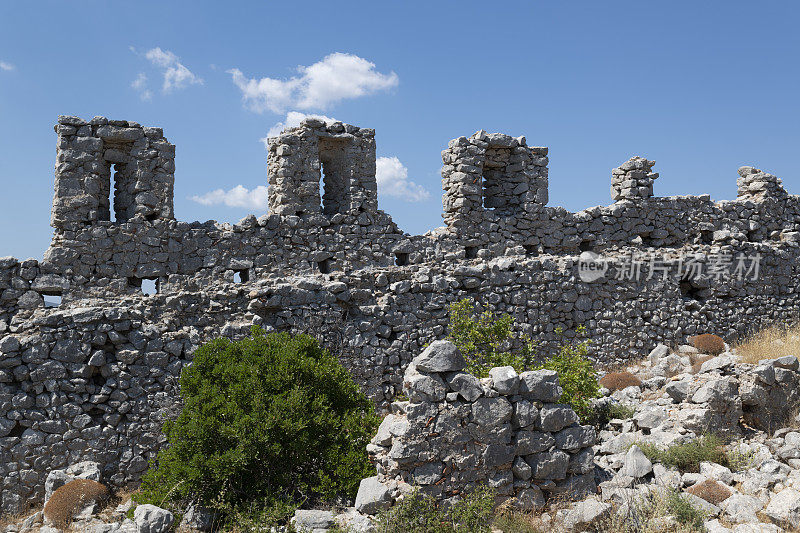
(757, 186)
(492, 172)
(633, 179)
(141, 160)
(318, 168)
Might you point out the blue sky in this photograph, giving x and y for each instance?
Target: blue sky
(701, 87)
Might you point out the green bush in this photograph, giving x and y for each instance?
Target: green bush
(576, 375)
(418, 513)
(684, 512)
(687, 456)
(484, 338)
(268, 423)
(622, 412)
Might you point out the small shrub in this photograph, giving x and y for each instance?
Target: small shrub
(684, 512)
(711, 491)
(708, 343)
(67, 500)
(619, 380)
(418, 513)
(519, 523)
(739, 461)
(268, 422)
(576, 375)
(623, 412)
(258, 516)
(687, 456)
(484, 339)
(645, 514)
(606, 412)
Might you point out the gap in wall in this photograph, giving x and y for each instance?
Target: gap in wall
(52, 300)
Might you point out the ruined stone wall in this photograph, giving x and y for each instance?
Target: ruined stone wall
(456, 433)
(141, 159)
(107, 358)
(340, 156)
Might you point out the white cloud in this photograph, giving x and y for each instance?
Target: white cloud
(292, 120)
(6, 66)
(239, 196)
(392, 177)
(140, 84)
(176, 75)
(336, 77)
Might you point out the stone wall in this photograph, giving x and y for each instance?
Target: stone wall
(343, 271)
(457, 432)
(343, 156)
(143, 164)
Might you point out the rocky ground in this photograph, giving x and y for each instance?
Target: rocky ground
(672, 397)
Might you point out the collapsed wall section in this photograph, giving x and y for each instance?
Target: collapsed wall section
(457, 433)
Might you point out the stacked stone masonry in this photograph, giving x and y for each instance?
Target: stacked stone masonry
(328, 261)
(456, 433)
(141, 160)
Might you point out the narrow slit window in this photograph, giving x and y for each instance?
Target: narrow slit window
(324, 266)
(335, 175)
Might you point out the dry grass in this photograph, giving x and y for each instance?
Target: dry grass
(655, 512)
(510, 520)
(711, 491)
(69, 499)
(15, 518)
(708, 343)
(619, 380)
(697, 360)
(770, 343)
(521, 522)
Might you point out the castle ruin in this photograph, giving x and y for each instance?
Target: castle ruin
(94, 377)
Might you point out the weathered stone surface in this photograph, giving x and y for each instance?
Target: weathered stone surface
(372, 496)
(540, 385)
(549, 465)
(575, 438)
(467, 385)
(440, 356)
(505, 380)
(311, 520)
(585, 514)
(553, 418)
(784, 508)
(152, 519)
(637, 465)
(198, 518)
(491, 412)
